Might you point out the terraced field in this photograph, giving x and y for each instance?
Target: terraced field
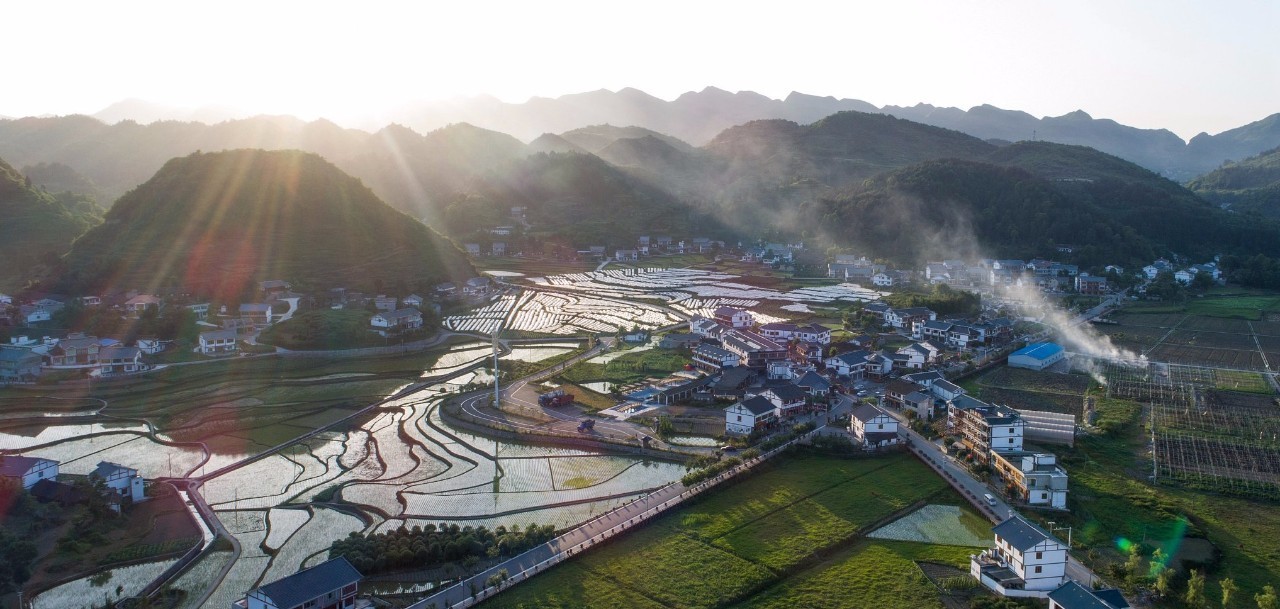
(400, 465)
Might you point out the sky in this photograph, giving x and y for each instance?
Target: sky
(1185, 66)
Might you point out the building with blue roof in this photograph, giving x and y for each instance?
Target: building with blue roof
(1037, 356)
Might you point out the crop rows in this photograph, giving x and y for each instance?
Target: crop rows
(676, 285)
(484, 320)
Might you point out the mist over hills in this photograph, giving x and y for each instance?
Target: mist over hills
(698, 117)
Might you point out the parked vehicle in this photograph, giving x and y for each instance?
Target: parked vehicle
(555, 398)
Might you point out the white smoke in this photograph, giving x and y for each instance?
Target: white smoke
(1076, 334)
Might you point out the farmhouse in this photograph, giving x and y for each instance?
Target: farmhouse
(382, 302)
(395, 322)
(679, 341)
(787, 399)
(946, 390)
(1088, 284)
(1035, 478)
(218, 341)
(18, 364)
(274, 288)
(627, 255)
(906, 318)
(1072, 595)
(28, 470)
(1025, 561)
(752, 349)
(748, 415)
(1037, 356)
(732, 383)
(898, 389)
(920, 403)
(75, 350)
(120, 479)
(852, 364)
(873, 427)
(258, 313)
(710, 358)
(120, 360)
(706, 328)
(813, 333)
(139, 304)
(329, 585)
(814, 384)
(730, 317)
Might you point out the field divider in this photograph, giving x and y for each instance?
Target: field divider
(600, 529)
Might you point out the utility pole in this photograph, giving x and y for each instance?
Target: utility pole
(1053, 528)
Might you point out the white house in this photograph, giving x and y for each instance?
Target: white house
(394, 322)
(1185, 276)
(906, 318)
(748, 415)
(329, 585)
(627, 255)
(852, 364)
(1025, 561)
(120, 360)
(151, 346)
(704, 327)
(787, 399)
(1036, 478)
(412, 300)
(873, 427)
(1072, 595)
(29, 470)
(734, 318)
(218, 341)
(917, 356)
(812, 333)
(121, 479)
(946, 390)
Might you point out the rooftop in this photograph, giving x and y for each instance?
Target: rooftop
(293, 590)
(1039, 350)
(1072, 595)
(1022, 533)
(757, 405)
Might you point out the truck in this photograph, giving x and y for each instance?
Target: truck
(586, 425)
(555, 397)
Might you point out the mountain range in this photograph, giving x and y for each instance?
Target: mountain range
(1250, 185)
(698, 117)
(36, 227)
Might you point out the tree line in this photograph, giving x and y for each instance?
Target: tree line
(433, 546)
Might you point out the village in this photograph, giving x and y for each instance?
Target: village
(881, 378)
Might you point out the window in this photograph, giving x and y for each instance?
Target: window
(1011, 440)
(739, 418)
(1039, 555)
(1010, 430)
(1038, 568)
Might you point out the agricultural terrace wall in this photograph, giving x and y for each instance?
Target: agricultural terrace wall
(457, 417)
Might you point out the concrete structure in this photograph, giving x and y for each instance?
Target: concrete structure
(852, 364)
(730, 317)
(787, 399)
(1037, 356)
(753, 350)
(812, 333)
(28, 470)
(1026, 561)
(710, 358)
(329, 585)
(1034, 478)
(984, 428)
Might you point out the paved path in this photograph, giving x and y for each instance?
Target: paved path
(974, 491)
(578, 539)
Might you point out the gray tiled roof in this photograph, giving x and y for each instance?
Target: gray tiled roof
(866, 412)
(1022, 534)
(293, 590)
(757, 405)
(1072, 595)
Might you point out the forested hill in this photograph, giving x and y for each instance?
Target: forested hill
(217, 223)
(1109, 215)
(1248, 186)
(36, 227)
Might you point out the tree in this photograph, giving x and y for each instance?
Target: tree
(1133, 572)
(1164, 580)
(1229, 588)
(1195, 589)
(1267, 598)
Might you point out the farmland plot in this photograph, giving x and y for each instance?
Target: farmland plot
(85, 593)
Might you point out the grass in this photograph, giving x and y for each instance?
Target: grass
(630, 367)
(786, 535)
(1111, 499)
(591, 399)
(1235, 380)
(329, 329)
(1234, 306)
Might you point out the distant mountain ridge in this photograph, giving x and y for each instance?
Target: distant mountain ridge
(36, 227)
(697, 117)
(1250, 185)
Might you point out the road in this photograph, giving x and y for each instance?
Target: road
(974, 490)
(523, 393)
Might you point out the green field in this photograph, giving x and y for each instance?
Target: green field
(790, 535)
(630, 367)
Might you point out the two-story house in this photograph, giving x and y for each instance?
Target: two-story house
(787, 399)
(1025, 560)
(396, 322)
(218, 341)
(124, 481)
(1035, 478)
(18, 365)
(75, 351)
(873, 427)
(753, 413)
(28, 470)
(852, 364)
(120, 360)
(731, 317)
